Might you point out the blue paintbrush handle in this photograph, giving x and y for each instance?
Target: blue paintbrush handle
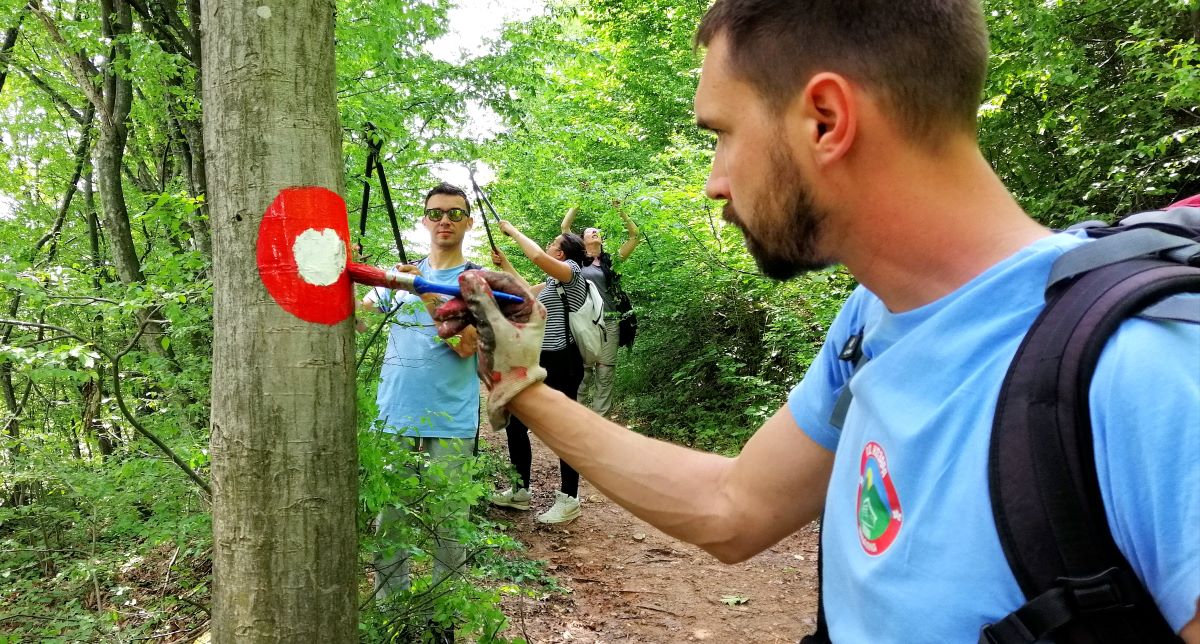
(422, 285)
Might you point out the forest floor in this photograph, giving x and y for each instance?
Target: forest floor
(631, 583)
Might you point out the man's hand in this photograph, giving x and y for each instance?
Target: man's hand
(431, 300)
(510, 337)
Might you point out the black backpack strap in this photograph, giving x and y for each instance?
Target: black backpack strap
(821, 634)
(1042, 479)
(562, 294)
(851, 352)
(1129, 244)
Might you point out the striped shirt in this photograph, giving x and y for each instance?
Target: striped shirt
(556, 322)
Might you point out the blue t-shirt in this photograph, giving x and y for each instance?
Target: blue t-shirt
(909, 546)
(425, 389)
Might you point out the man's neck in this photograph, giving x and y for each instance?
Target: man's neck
(931, 227)
(440, 258)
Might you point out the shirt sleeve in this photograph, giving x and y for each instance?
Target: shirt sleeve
(1145, 407)
(380, 297)
(811, 401)
(576, 287)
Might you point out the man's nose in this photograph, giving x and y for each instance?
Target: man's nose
(717, 186)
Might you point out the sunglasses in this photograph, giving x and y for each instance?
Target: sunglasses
(455, 214)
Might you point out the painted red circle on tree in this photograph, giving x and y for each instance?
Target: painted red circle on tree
(295, 212)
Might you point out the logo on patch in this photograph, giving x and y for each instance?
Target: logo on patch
(879, 515)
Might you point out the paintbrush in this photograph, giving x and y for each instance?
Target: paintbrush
(374, 276)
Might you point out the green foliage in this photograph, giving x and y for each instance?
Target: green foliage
(1089, 112)
(99, 548)
(1090, 106)
(429, 504)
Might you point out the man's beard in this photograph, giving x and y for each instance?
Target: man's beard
(790, 225)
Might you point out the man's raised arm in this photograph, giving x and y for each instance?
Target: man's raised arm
(732, 507)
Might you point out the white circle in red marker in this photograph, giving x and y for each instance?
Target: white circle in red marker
(320, 256)
(303, 243)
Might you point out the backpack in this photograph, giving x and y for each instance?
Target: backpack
(1041, 469)
(585, 327)
(1042, 481)
(628, 325)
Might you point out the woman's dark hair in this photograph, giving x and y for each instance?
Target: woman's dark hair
(606, 265)
(572, 246)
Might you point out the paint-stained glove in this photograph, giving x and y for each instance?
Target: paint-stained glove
(510, 335)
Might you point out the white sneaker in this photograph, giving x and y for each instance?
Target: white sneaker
(515, 499)
(565, 509)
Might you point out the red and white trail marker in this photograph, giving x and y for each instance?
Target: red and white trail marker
(303, 246)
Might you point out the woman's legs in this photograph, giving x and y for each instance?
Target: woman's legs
(602, 390)
(564, 371)
(520, 453)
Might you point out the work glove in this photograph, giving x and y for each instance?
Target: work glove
(510, 335)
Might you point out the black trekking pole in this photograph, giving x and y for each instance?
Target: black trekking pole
(391, 207)
(486, 201)
(479, 199)
(372, 157)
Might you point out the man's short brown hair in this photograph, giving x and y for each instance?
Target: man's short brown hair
(926, 58)
(449, 189)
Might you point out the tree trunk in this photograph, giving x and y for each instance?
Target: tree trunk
(110, 150)
(117, 99)
(194, 132)
(8, 392)
(6, 45)
(284, 455)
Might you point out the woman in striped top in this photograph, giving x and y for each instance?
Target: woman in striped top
(561, 260)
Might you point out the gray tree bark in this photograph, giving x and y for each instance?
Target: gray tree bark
(6, 45)
(284, 454)
(117, 95)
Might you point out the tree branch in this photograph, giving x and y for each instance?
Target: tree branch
(166, 39)
(81, 155)
(115, 359)
(80, 67)
(55, 97)
(10, 40)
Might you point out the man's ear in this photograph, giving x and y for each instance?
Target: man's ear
(829, 111)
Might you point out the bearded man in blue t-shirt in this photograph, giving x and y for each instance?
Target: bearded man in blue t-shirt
(428, 392)
(846, 133)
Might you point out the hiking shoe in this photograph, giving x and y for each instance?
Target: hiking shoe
(565, 509)
(510, 498)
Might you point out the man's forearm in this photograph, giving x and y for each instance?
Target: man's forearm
(675, 489)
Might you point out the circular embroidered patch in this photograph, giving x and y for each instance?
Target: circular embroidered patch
(879, 515)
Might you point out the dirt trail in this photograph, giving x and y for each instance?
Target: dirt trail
(632, 583)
